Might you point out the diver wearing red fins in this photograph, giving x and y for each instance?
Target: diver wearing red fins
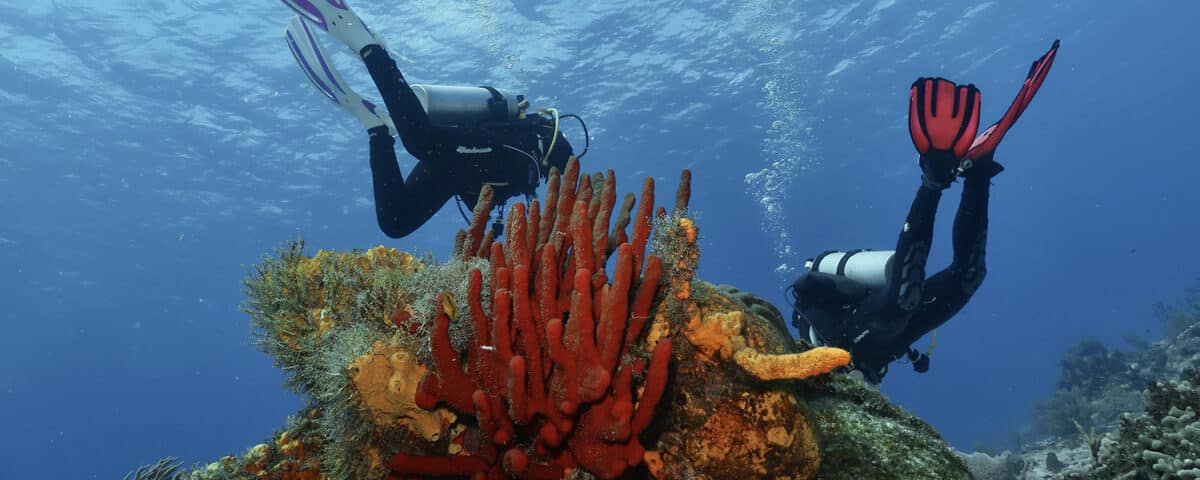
(463, 137)
(876, 304)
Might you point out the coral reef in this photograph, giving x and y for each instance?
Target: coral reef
(1184, 352)
(550, 395)
(569, 349)
(1164, 443)
(1089, 367)
(862, 434)
(164, 469)
(1005, 466)
(1177, 318)
(1052, 459)
(1124, 414)
(288, 455)
(715, 396)
(865, 436)
(1096, 385)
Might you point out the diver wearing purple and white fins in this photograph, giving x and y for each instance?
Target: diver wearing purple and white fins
(462, 137)
(876, 304)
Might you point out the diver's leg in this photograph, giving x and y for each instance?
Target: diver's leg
(412, 123)
(316, 65)
(886, 309)
(944, 298)
(907, 277)
(970, 231)
(403, 206)
(949, 290)
(877, 321)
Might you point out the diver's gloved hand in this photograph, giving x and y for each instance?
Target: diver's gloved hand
(942, 121)
(872, 373)
(919, 360)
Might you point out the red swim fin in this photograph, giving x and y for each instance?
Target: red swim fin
(985, 144)
(942, 116)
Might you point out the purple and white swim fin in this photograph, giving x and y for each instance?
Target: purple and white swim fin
(336, 17)
(319, 69)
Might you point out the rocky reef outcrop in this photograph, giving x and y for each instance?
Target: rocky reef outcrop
(571, 349)
(1163, 443)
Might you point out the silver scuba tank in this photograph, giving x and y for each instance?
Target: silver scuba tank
(868, 267)
(454, 105)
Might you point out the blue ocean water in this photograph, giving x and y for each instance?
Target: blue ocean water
(151, 152)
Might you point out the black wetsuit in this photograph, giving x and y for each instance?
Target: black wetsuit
(878, 326)
(452, 160)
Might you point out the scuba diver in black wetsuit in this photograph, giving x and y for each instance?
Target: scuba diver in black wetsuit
(463, 137)
(877, 303)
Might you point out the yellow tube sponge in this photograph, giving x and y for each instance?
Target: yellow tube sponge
(818, 361)
(719, 336)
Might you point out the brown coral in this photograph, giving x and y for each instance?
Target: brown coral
(286, 458)
(324, 300)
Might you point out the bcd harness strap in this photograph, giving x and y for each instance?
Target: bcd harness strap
(841, 268)
(816, 261)
(497, 105)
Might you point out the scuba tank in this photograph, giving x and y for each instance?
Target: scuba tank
(485, 107)
(455, 105)
(868, 267)
(458, 106)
